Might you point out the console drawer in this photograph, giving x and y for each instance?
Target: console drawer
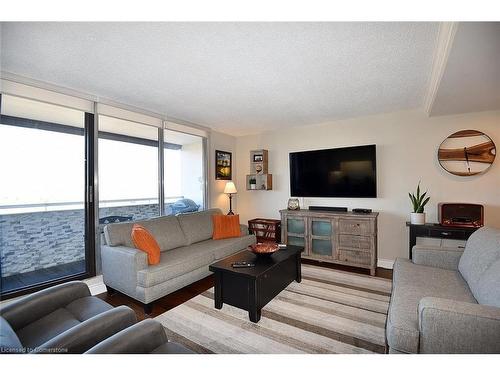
(354, 256)
(355, 226)
(349, 241)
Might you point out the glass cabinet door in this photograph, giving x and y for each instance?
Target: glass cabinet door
(322, 247)
(296, 226)
(296, 241)
(321, 238)
(321, 228)
(296, 231)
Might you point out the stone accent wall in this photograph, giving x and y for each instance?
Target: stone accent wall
(36, 240)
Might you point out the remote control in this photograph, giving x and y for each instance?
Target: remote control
(282, 245)
(243, 265)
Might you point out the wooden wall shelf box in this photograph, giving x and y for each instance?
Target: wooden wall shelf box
(259, 170)
(334, 237)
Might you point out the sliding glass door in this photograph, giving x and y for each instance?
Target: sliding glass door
(49, 222)
(128, 171)
(184, 172)
(44, 227)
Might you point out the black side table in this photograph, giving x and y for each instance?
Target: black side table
(436, 230)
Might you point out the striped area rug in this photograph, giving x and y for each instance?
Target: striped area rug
(330, 311)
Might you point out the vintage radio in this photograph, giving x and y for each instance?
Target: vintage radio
(461, 214)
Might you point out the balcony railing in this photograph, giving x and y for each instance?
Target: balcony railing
(34, 237)
(63, 206)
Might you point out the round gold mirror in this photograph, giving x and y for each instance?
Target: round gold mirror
(467, 153)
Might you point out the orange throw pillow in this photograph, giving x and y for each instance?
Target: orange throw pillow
(144, 241)
(226, 226)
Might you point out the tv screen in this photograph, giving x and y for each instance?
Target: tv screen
(348, 172)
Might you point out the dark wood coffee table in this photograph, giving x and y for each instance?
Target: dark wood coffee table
(252, 288)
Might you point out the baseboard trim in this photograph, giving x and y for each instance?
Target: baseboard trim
(385, 263)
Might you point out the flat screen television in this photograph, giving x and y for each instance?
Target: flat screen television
(348, 172)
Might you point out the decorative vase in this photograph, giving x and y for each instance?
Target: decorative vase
(417, 218)
(253, 186)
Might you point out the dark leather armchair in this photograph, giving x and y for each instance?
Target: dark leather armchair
(145, 337)
(61, 319)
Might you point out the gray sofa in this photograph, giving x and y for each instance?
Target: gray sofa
(187, 249)
(61, 319)
(447, 300)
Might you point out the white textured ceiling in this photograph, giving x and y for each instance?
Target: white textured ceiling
(471, 79)
(238, 78)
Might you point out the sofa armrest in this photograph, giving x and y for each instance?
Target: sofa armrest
(89, 333)
(26, 310)
(434, 256)
(141, 338)
(244, 230)
(448, 326)
(120, 265)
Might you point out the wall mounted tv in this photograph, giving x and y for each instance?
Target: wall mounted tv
(348, 172)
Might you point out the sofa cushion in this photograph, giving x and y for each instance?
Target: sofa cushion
(488, 291)
(175, 263)
(167, 232)
(118, 234)
(87, 307)
(481, 251)
(165, 229)
(46, 328)
(412, 282)
(9, 342)
(229, 246)
(198, 226)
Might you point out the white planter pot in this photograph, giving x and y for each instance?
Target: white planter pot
(418, 219)
(253, 186)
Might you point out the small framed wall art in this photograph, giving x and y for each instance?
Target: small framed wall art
(258, 158)
(223, 165)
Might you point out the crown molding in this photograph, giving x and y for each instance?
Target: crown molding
(445, 38)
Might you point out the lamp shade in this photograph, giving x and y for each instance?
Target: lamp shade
(230, 188)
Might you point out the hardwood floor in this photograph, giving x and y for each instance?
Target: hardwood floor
(381, 272)
(179, 297)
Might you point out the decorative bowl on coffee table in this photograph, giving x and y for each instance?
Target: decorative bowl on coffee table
(264, 248)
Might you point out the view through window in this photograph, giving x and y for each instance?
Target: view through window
(43, 213)
(42, 219)
(183, 173)
(128, 171)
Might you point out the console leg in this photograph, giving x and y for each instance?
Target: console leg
(373, 271)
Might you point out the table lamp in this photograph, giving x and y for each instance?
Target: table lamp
(230, 189)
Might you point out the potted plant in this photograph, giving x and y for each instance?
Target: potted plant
(418, 201)
(253, 183)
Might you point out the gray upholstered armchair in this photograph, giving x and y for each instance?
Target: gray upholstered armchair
(145, 337)
(61, 319)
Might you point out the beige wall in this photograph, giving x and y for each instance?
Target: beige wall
(407, 144)
(223, 142)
